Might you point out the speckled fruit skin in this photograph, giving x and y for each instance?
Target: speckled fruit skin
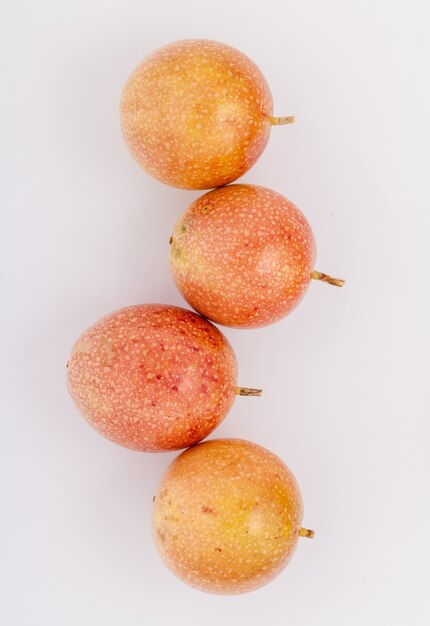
(195, 114)
(153, 377)
(227, 516)
(242, 255)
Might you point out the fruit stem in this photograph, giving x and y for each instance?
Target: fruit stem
(280, 121)
(247, 391)
(305, 532)
(337, 282)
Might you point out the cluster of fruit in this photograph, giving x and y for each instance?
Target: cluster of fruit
(228, 513)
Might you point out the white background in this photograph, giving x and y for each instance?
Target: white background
(85, 231)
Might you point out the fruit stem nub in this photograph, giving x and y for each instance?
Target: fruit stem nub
(247, 391)
(337, 282)
(280, 121)
(305, 532)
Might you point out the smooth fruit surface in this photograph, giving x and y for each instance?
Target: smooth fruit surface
(227, 516)
(242, 255)
(196, 114)
(153, 377)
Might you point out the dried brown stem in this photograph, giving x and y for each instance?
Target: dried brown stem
(247, 391)
(337, 282)
(305, 532)
(280, 121)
